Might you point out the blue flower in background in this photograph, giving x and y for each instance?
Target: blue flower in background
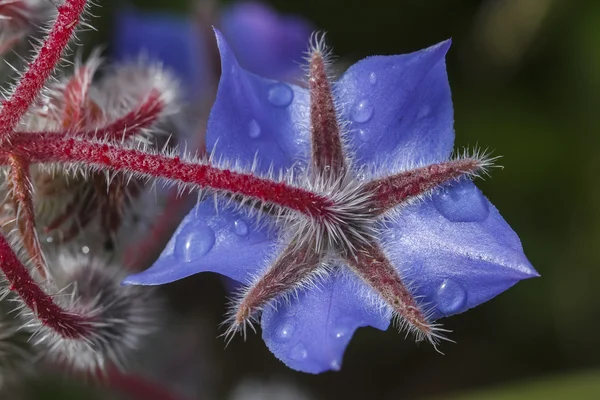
(266, 43)
(420, 241)
(172, 39)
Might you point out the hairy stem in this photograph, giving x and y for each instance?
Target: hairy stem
(327, 151)
(67, 324)
(41, 68)
(141, 117)
(371, 264)
(291, 269)
(76, 96)
(22, 193)
(56, 149)
(394, 190)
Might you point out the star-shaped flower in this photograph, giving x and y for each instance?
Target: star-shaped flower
(404, 233)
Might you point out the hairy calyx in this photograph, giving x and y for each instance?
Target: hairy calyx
(348, 239)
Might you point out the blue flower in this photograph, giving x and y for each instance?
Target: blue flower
(267, 43)
(441, 253)
(174, 40)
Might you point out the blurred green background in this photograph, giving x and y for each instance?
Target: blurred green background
(525, 76)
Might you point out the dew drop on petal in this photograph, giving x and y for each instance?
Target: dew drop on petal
(298, 352)
(373, 78)
(240, 227)
(253, 129)
(462, 203)
(340, 332)
(362, 111)
(280, 95)
(285, 331)
(451, 297)
(191, 244)
(335, 365)
(364, 135)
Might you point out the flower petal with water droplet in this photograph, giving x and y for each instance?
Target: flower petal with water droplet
(310, 334)
(453, 259)
(389, 113)
(210, 241)
(256, 116)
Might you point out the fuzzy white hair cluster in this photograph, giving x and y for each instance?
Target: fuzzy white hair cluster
(120, 317)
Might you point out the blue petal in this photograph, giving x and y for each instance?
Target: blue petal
(266, 43)
(253, 115)
(399, 107)
(225, 242)
(171, 39)
(310, 334)
(456, 250)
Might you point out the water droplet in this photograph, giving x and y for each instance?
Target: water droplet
(253, 129)
(298, 352)
(281, 95)
(424, 112)
(194, 242)
(364, 135)
(85, 249)
(285, 331)
(240, 227)
(462, 202)
(335, 365)
(373, 78)
(49, 239)
(451, 297)
(340, 332)
(362, 111)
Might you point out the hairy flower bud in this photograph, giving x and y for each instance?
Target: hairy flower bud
(118, 318)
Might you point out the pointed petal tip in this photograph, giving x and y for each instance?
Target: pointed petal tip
(164, 270)
(222, 44)
(530, 272)
(218, 35)
(134, 280)
(443, 46)
(524, 269)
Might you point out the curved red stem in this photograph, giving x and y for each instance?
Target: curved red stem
(41, 68)
(68, 325)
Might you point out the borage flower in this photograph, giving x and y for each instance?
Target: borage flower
(395, 227)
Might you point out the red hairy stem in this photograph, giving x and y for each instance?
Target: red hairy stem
(22, 189)
(75, 97)
(41, 68)
(293, 266)
(371, 264)
(327, 150)
(56, 149)
(67, 324)
(394, 190)
(141, 117)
